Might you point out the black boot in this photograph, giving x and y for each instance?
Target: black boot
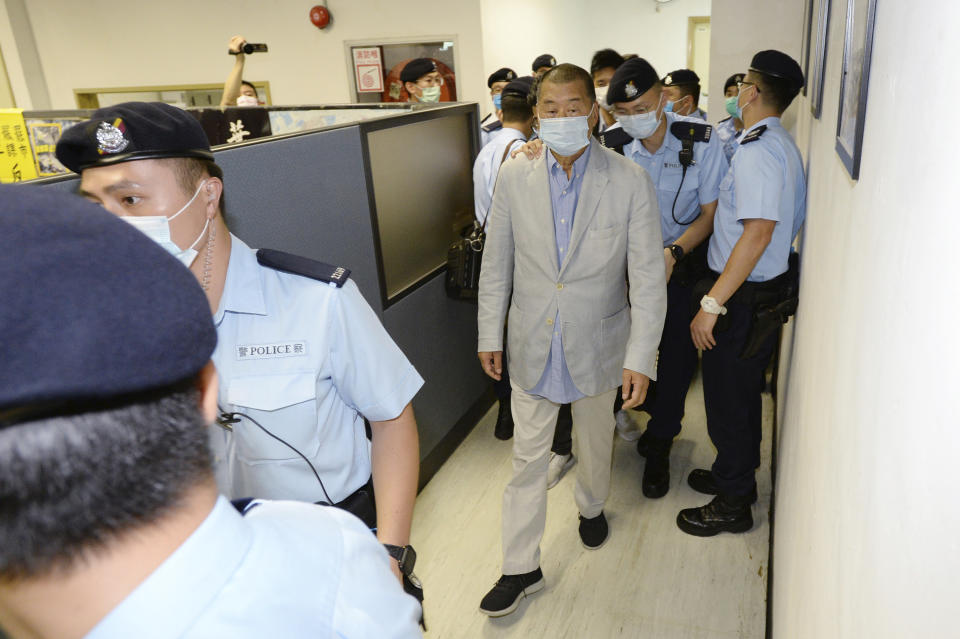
(656, 472)
(723, 514)
(504, 428)
(702, 481)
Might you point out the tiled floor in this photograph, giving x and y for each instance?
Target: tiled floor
(649, 580)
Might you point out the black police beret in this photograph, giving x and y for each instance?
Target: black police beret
(521, 87)
(133, 131)
(545, 60)
(632, 79)
(732, 81)
(679, 77)
(501, 75)
(779, 65)
(416, 69)
(92, 308)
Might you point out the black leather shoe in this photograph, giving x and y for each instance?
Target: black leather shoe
(506, 594)
(656, 472)
(504, 428)
(702, 481)
(720, 515)
(593, 532)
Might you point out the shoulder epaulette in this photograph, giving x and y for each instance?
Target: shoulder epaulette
(289, 263)
(615, 139)
(754, 135)
(493, 126)
(725, 119)
(685, 129)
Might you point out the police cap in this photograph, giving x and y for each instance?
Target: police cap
(92, 308)
(520, 87)
(778, 65)
(545, 60)
(680, 77)
(133, 131)
(632, 79)
(416, 69)
(501, 75)
(732, 81)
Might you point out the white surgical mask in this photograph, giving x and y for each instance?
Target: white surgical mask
(157, 228)
(565, 136)
(247, 100)
(640, 127)
(430, 94)
(602, 97)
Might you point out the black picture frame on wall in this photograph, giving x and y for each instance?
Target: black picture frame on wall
(805, 43)
(820, 29)
(857, 49)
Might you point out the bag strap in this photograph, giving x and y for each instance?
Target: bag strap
(506, 152)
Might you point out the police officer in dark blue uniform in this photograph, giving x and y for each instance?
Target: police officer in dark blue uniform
(762, 205)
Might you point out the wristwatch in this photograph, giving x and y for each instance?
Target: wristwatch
(712, 306)
(676, 251)
(406, 557)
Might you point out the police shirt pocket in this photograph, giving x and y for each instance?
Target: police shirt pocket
(673, 181)
(283, 403)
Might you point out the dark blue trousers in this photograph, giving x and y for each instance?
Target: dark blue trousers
(732, 390)
(675, 366)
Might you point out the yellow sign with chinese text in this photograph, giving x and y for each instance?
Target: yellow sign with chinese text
(16, 156)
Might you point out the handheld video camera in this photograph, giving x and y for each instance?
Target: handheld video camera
(251, 47)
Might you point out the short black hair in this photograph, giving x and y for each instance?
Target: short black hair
(249, 84)
(74, 482)
(690, 89)
(189, 172)
(776, 92)
(605, 59)
(564, 74)
(515, 108)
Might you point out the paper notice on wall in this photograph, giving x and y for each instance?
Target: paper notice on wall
(368, 68)
(16, 156)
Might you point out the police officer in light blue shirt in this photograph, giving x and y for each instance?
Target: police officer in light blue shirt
(729, 128)
(682, 88)
(497, 81)
(302, 358)
(686, 163)
(112, 526)
(762, 203)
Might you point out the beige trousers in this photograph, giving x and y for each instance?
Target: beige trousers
(525, 497)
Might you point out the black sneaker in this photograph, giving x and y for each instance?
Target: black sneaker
(506, 594)
(504, 427)
(720, 515)
(702, 481)
(593, 532)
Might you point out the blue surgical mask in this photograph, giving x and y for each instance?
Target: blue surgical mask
(565, 136)
(731, 105)
(668, 107)
(640, 127)
(497, 100)
(157, 228)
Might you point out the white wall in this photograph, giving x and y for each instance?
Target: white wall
(867, 532)
(103, 43)
(517, 31)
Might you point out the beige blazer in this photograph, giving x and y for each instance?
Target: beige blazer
(616, 236)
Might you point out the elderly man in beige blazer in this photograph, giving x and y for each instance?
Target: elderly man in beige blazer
(567, 232)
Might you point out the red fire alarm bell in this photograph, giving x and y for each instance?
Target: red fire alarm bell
(320, 16)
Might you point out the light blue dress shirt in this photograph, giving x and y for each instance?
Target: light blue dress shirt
(286, 569)
(701, 185)
(308, 361)
(765, 181)
(729, 137)
(487, 166)
(556, 384)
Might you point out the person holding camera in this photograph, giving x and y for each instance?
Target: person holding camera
(236, 90)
